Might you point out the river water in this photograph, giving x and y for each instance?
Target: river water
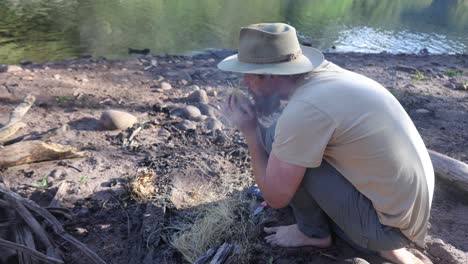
(41, 30)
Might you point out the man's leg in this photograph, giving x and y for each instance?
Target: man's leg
(354, 218)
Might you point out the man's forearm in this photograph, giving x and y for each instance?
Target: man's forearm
(259, 159)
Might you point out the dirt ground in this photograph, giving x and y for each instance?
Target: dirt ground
(202, 166)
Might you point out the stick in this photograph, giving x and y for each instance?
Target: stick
(451, 170)
(11, 127)
(39, 136)
(222, 253)
(35, 151)
(30, 252)
(204, 258)
(24, 237)
(61, 192)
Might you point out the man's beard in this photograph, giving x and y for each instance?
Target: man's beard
(269, 108)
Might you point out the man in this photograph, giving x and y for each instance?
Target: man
(343, 152)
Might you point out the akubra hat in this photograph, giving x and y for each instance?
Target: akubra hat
(271, 48)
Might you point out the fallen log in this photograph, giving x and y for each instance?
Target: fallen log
(14, 122)
(35, 151)
(451, 170)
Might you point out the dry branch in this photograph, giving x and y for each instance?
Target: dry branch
(50, 221)
(14, 124)
(35, 151)
(222, 254)
(30, 252)
(451, 170)
(39, 135)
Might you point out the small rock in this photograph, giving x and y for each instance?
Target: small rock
(113, 119)
(14, 68)
(58, 173)
(200, 118)
(194, 87)
(191, 112)
(154, 62)
(199, 96)
(164, 133)
(57, 76)
(160, 106)
(186, 125)
(3, 68)
(183, 82)
(28, 78)
(207, 110)
(451, 85)
(165, 86)
(422, 111)
(213, 124)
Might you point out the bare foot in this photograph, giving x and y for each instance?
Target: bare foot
(291, 236)
(403, 256)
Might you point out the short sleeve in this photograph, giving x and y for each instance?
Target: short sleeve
(302, 134)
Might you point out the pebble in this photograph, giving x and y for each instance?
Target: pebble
(191, 112)
(57, 76)
(113, 119)
(208, 110)
(164, 133)
(186, 125)
(451, 85)
(14, 68)
(58, 173)
(200, 118)
(422, 111)
(213, 124)
(165, 86)
(198, 96)
(3, 68)
(194, 87)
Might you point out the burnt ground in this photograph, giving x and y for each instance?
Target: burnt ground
(197, 167)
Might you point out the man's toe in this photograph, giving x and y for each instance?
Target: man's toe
(270, 230)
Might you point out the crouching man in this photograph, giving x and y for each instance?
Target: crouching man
(334, 145)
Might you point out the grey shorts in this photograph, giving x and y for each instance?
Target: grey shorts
(327, 202)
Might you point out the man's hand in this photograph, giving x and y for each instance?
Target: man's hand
(240, 111)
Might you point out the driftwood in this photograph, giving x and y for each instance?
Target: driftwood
(14, 122)
(451, 170)
(35, 151)
(26, 210)
(39, 135)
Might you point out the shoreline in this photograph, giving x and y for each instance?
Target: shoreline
(75, 91)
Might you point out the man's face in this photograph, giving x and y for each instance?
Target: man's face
(265, 91)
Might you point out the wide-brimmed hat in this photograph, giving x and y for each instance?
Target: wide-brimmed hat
(271, 48)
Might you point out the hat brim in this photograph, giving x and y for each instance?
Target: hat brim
(309, 60)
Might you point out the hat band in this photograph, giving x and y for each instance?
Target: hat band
(268, 60)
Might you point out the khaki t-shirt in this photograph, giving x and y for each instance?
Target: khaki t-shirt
(360, 128)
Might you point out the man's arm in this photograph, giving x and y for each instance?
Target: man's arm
(278, 180)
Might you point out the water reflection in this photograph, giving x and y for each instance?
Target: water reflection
(42, 30)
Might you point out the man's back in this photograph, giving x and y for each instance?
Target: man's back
(361, 129)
